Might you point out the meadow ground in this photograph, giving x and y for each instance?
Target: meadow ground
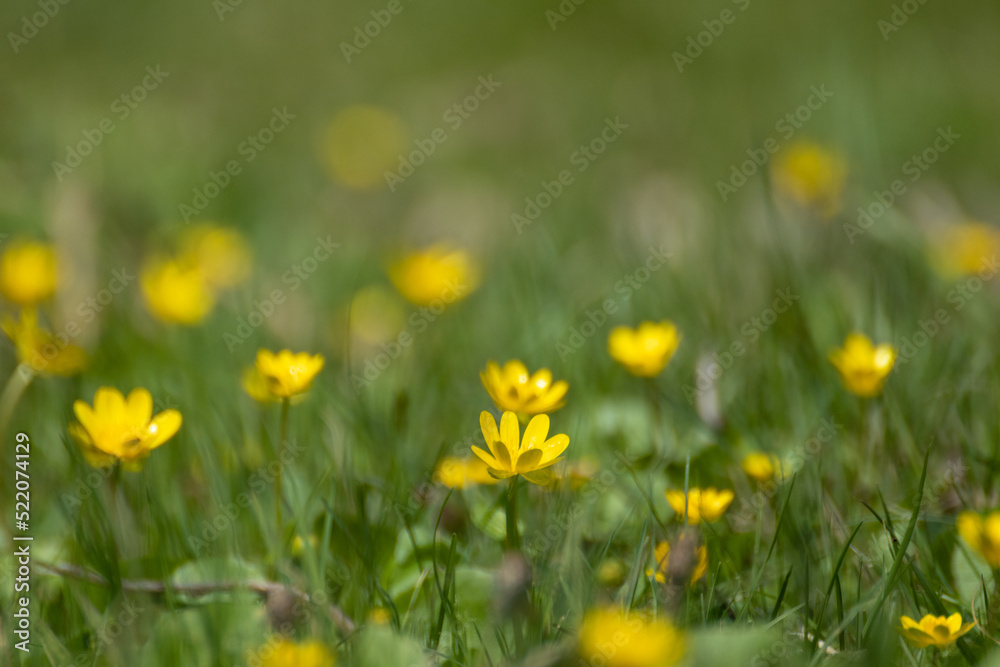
(405, 193)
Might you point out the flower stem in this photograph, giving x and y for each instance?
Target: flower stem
(277, 482)
(18, 382)
(513, 538)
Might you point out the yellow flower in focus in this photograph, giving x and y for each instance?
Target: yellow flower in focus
(513, 388)
(287, 374)
(982, 534)
(461, 473)
(362, 144)
(761, 467)
(934, 630)
(436, 276)
(610, 637)
(863, 367)
(708, 504)
(39, 349)
(964, 249)
(662, 555)
(644, 351)
(176, 292)
(28, 272)
(812, 176)
(510, 456)
(290, 654)
(118, 428)
(220, 253)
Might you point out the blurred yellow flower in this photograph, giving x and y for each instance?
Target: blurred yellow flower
(28, 272)
(119, 428)
(376, 316)
(176, 292)
(510, 456)
(460, 473)
(935, 631)
(761, 467)
(644, 351)
(436, 276)
(220, 253)
(39, 349)
(963, 248)
(513, 388)
(610, 637)
(362, 144)
(379, 616)
(813, 176)
(290, 654)
(287, 374)
(576, 473)
(662, 555)
(982, 534)
(863, 367)
(708, 504)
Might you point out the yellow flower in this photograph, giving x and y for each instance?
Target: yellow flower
(287, 374)
(363, 144)
(813, 176)
(610, 637)
(436, 276)
(122, 429)
(513, 388)
(708, 504)
(176, 292)
(461, 473)
(290, 654)
(662, 555)
(510, 456)
(39, 349)
(863, 367)
(379, 616)
(982, 534)
(934, 630)
(220, 253)
(962, 249)
(644, 351)
(761, 467)
(28, 272)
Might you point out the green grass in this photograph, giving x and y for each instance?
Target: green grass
(816, 570)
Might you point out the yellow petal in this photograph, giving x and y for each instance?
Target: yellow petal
(536, 432)
(162, 428)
